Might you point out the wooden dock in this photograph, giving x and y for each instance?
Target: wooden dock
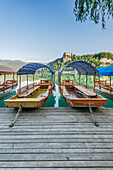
(56, 138)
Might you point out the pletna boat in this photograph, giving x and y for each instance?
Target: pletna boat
(105, 88)
(35, 94)
(75, 94)
(8, 86)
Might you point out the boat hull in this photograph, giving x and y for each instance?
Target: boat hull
(109, 95)
(31, 100)
(85, 102)
(26, 103)
(3, 95)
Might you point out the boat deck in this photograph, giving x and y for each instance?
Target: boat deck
(59, 138)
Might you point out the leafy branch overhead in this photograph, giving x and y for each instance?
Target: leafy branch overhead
(95, 10)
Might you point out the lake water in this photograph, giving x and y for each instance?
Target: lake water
(56, 100)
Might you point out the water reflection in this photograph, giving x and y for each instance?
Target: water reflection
(56, 100)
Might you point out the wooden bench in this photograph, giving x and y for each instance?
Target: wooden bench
(86, 91)
(28, 91)
(65, 92)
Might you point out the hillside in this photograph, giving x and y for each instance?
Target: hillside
(95, 60)
(16, 64)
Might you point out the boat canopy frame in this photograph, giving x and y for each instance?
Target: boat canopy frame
(31, 68)
(5, 70)
(106, 71)
(83, 68)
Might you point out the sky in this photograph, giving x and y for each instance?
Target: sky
(42, 30)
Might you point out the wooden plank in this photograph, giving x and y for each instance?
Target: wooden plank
(30, 136)
(59, 146)
(58, 157)
(59, 138)
(56, 164)
(54, 150)
(56, 133)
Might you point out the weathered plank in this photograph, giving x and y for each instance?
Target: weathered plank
(55, 164)
(59, 138)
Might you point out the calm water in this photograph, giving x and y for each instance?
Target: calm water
(56, 100)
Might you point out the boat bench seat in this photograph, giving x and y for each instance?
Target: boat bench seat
(86, 91)
(28, 91)
(65, 92)
(47, 92)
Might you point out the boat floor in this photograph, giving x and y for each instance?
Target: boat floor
(39, 93)
(37, 96)
(73, 94)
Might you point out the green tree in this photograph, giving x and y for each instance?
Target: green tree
(95, 10)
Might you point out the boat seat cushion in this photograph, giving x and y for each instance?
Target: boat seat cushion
(86, 91)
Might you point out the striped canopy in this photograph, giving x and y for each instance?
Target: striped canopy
(6, 70)
(82, 67)
(32, 68)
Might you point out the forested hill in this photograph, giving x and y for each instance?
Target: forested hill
(16, 64)
(95, 60)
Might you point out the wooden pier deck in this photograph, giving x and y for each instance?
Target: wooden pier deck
(56, 138)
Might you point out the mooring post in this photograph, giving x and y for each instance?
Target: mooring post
(16, 116)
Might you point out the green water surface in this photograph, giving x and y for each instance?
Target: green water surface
(56, 100)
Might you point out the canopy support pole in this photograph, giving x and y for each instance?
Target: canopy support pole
(79, 79)
(33, 79)
(54, 78)
(17, 79)
(19, 83)
(110, 84)
(92, 115)
(13, 81)
(86, 80)
(16, 116)
(99, 83)
(59, 80)
(51, 77)
(94, 84)
(4, 81)
(27, 81)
